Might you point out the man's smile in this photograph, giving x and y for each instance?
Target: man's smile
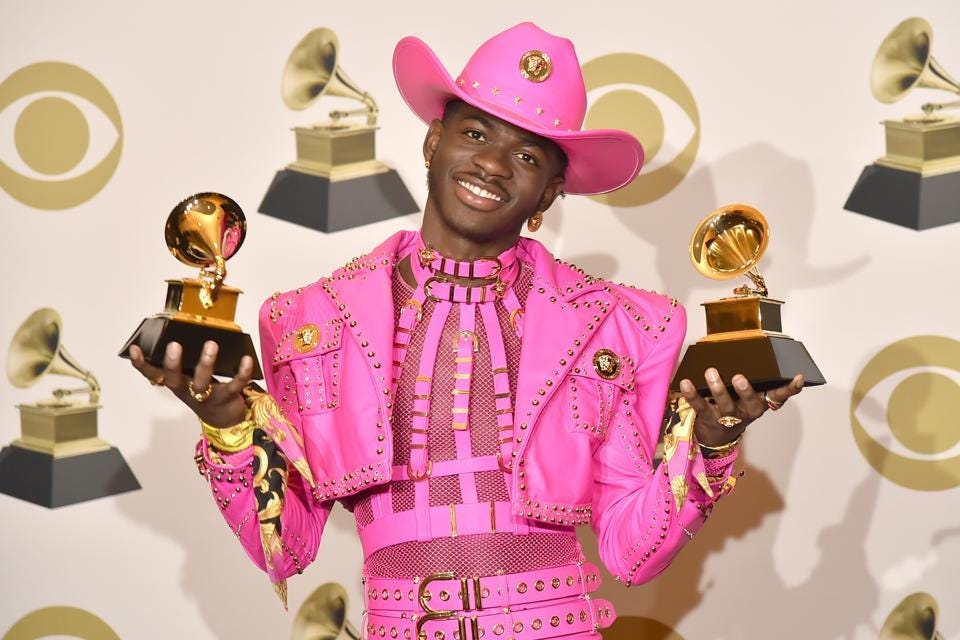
(476, 196)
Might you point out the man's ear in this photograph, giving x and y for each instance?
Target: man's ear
(432, 140)
(553, 189)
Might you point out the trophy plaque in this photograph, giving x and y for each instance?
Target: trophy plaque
(917, 183)
(58, 459)
(336, 182)
(744, 333)
(204, 230)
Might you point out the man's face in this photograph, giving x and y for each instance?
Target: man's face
(486, 176)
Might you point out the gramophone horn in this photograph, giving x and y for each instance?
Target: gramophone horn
(323, 616)
(36, 350)
(729, 241)
(904, 61)
(915, 618)
(312, 71)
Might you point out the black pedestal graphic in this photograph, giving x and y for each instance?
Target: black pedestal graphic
(54, 482)
(319, 203)
(906, 198)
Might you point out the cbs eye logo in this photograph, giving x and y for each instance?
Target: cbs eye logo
(904, 413)
(48, 158)
(62, 622)
(665, 106)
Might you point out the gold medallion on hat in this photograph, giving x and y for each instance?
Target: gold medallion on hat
(535, 65)
(307, 338)
(606, 363)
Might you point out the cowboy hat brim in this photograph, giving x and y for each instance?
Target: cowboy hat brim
(599, 160)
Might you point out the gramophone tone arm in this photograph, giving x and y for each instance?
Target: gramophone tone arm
(760, 285)
(930, 107)
(371, 111)
(93, 390)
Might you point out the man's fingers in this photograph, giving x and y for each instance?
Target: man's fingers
(150, 372)
(204, 371)
(782, 394)
(172, 367)
(725, 404)
(697, 402)
(244, 376)
(752, 404)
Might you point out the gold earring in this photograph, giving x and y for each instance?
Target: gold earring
(426, 163)
(534, 222)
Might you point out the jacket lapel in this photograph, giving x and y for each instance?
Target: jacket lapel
(362, 293)
(558, 325)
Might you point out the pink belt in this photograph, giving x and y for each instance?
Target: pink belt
(545, 603)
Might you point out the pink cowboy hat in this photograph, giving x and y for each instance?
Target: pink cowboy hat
(531, 79)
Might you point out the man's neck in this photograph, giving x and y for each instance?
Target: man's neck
(456, 246)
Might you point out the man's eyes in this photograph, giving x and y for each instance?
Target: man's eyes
(526, 157)
(474, 134)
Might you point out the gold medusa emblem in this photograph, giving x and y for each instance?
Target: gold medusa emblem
(606, 363)
(535, 66)
(308, 337)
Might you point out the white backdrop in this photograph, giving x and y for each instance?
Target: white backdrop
(813, 544)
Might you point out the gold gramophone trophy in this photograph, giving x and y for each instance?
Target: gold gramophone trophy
(336, 181)
(204, 230)
(744, 334)
(917, 183)
(324, 615)
(915, 618)
(58, 458)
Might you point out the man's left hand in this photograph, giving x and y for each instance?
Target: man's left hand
(721, 407)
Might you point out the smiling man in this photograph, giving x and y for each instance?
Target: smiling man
(468, 397)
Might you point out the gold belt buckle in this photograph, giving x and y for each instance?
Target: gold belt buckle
(431, 614)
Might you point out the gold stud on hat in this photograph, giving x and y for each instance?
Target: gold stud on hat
(535, 65)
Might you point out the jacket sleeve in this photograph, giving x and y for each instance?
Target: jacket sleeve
(231, 481)
(638, 525)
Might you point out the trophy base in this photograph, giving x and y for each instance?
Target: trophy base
(767, 362)
(906, 198)
(51, 482)
(154, 334)
(327, 205)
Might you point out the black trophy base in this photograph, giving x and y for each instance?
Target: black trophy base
(906, 198)
(319, 203)
(768, 362)
(154, 334)
(55, 482)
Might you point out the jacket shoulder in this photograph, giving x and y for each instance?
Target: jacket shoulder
(286, 308)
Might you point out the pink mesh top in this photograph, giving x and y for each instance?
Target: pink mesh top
(478, 554)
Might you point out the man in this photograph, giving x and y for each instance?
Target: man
(468, 397)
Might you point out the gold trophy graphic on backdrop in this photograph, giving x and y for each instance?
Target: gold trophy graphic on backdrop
(58, 459)
(336, 181)
(915, 618)
(324, 615)
(204, 230)
(916, 183)
(744, 333)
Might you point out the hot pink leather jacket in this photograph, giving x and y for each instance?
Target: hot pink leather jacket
(585, 443)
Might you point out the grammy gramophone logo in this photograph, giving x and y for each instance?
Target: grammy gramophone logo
(916, 184)
(336, 182)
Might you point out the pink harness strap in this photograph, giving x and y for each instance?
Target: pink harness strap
(448, 520)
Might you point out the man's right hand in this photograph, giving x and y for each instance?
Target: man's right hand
(224, 405)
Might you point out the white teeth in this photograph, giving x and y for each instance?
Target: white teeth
(483, 193)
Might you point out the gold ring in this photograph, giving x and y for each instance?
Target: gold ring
(159, 382)
(729, 421)
(772, 404)
(199, 396)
